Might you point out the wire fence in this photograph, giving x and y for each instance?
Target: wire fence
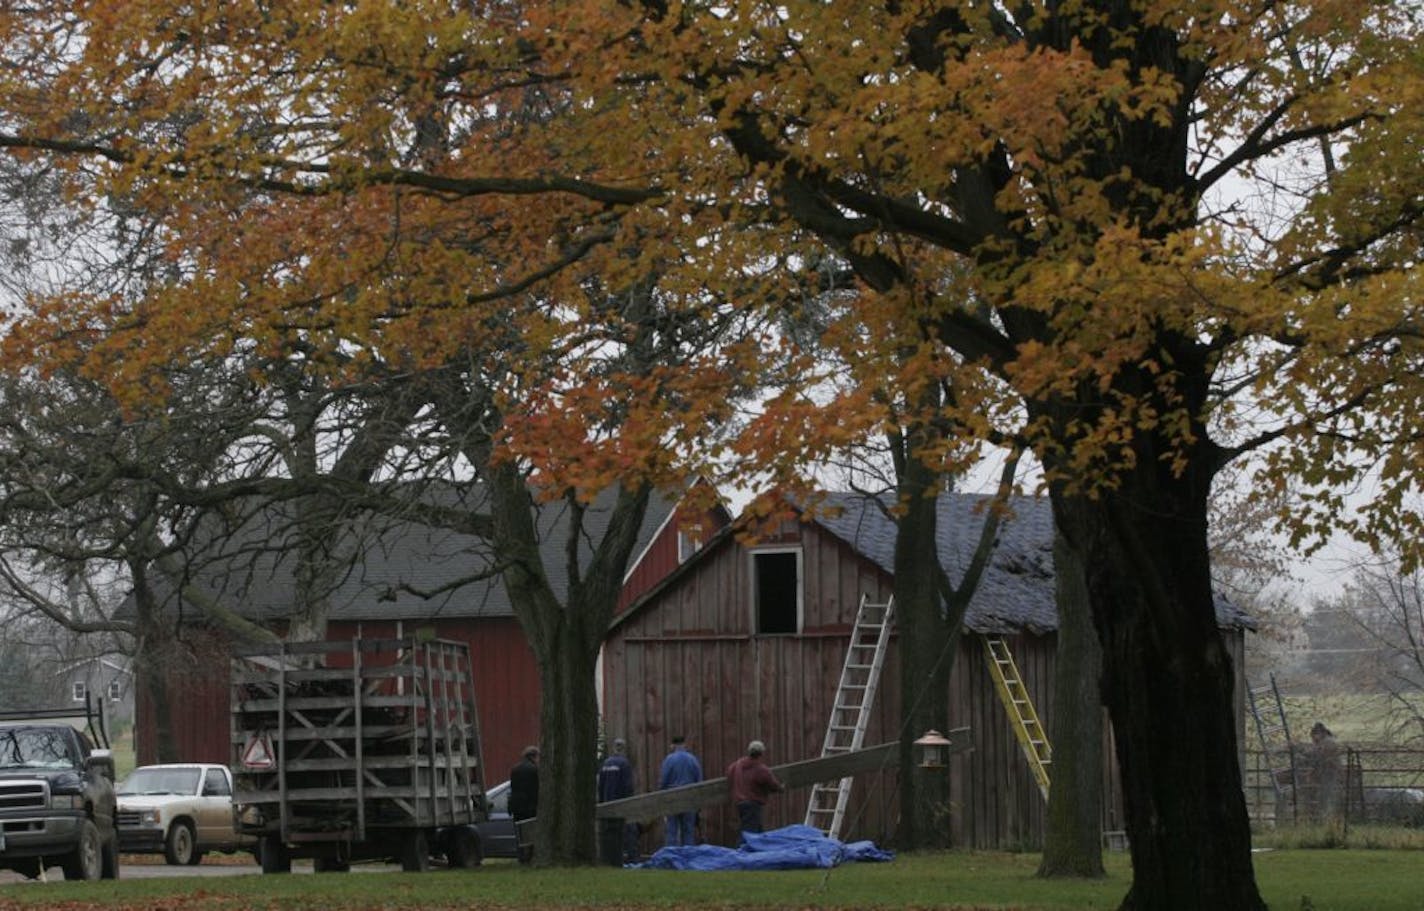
(1377, 785)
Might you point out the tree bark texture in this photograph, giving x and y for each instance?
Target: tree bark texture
(1167, 682)
(565, 636)
(1073, 841)
(568, 764)
(926, 644)
(319, 566)
(154, 642)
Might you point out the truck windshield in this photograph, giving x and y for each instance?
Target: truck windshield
(35, 748)
(161, 781)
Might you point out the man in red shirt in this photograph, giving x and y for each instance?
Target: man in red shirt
(751, 783)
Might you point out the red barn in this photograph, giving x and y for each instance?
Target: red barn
(747, 641)
(404, 576)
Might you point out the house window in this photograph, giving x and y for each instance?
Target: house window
(80, 691)
(689, 539)
(116, 691)
(776, 591)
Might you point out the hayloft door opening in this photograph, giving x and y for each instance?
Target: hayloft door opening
(776, 591)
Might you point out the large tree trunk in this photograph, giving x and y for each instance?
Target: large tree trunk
(151, 659)
(1167, 682)
(1073, 842)
(568, 765)
(926, 642)
(319, 566)
(566, 638)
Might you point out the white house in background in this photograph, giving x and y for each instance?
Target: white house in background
(107, 680)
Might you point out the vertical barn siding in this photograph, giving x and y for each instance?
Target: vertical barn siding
(657, 561)
(506, 690)
(695, 638)
(693, 667)
(997, 800)
(660, 556)
(195, 674)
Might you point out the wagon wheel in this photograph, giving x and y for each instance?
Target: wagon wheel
(464, 849)
(415, 852)
(275, 856)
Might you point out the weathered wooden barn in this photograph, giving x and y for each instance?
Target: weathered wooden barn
(407, 577)
(747, 641)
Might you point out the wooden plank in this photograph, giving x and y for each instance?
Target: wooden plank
(323, 646)
(334, 703)
(342, 796)
(793, 774)
(354, 763)
(371, 732)
(305, 675)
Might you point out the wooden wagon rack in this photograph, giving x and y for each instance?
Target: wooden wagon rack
(335, 740)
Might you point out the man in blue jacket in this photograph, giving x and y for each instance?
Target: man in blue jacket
(680, 768)
(615, 781)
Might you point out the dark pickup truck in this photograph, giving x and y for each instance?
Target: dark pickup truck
(57, 800)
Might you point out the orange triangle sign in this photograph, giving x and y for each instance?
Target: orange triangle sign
(257, 754)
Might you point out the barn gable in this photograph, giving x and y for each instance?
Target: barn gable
(687, 659)
(697, 656)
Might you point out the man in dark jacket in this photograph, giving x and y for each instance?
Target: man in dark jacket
(524, 796)
(751, 783)
(615, 781)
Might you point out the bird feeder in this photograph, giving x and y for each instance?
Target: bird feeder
(932, 750)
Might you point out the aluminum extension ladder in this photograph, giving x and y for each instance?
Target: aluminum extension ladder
(850, 713)
(1276, 744)
(1024, 718)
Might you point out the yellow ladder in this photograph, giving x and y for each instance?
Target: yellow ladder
(1012, 692)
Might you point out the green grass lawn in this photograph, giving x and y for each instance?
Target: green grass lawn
(1346, 880)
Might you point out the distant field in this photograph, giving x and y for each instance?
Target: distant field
(1375, 726)
(1354, 718)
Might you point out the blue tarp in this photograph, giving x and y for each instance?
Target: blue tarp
(788, 848)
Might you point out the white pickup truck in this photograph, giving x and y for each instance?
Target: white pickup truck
(181, 810)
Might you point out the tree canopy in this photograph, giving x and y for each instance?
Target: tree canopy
(1141, 238)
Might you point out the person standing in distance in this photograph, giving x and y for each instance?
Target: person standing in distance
(751, 783)
(615, 781)
(680, 768)
(524, 795)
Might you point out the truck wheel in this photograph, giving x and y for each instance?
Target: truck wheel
(415, 852)
(86, 860)
(180, 848)
(29, 868)
(275, 856)
(110, 860)
(464, 851)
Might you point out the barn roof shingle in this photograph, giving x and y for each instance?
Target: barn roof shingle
(405, 570)
(1017, 588)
